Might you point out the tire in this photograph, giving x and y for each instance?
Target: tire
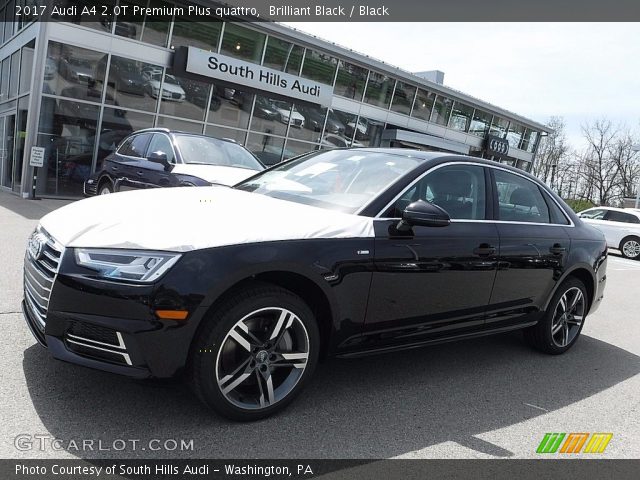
(630, 248)
(105, 188)
(556, 332)
(239, 369)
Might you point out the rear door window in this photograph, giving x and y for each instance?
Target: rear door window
(519, 199)
(137, 147)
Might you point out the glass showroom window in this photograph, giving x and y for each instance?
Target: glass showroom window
(188, 33)
(238, 136)
(423, 105)
(180, 97)
(26, 66)
(529, 140)
(350, 81)
(131, 28)
(320, 67)
(272, 116)
(314, 118)
(480, 123)
(403, 98)
(130, 82)
(14, 77)
(21, 126)
(241, 42)
(379, 90)
(441, 110)
(514, 135)
(72, 72)
(461, 117)
(366, 131)
(498, 126)
(67, 132)
(178, 124)
(267, 148)
(232, 107)
(4, 79)
(293, 148)
(283, 56)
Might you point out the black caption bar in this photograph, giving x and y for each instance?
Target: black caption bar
(578, 469)
(336, 10)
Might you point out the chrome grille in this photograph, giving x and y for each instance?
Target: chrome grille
(40, 274)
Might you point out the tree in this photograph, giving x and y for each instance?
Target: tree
(553, 152)
(601, 169)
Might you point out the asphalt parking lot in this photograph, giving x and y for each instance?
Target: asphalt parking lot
(486, 398)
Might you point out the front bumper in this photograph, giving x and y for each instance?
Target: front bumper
(112, 326)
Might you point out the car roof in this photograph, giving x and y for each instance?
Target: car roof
(170, 131)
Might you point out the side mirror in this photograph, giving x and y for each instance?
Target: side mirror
(423, 214)
(161, 158)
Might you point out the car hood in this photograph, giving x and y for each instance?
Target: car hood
(215, 173)
(171, 87)
(191, 218)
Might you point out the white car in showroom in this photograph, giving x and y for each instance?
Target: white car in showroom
(286, 114)
(621, 227)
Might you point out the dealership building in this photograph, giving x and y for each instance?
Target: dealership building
(70, 91)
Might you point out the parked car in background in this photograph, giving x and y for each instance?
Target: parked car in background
(159, 157)
(124, 75)
(620, 226)
(351, 252)
(171, 89)
(336, 141)
(288, 115)
(76, 69)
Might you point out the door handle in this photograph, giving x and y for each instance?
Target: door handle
(557, 249)
(140, 173)
(484, 250)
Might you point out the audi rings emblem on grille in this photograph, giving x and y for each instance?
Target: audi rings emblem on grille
(36, 244)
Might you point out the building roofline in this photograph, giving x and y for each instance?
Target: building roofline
(367, 61)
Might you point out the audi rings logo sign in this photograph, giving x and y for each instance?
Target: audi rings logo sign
(497, 146)
(35, 245)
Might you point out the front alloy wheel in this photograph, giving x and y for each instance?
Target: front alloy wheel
(255, 353)
(262, 358)
(630, 248)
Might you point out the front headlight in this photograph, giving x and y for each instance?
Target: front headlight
(135, 265)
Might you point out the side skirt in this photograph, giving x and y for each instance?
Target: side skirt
(424, 343)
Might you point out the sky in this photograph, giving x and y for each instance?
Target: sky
(580, 71)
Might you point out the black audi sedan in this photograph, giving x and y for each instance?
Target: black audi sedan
(343, 252)
(159, 157)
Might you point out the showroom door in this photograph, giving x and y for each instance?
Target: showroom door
(7, 135)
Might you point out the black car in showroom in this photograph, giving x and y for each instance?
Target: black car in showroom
(159, 157)
(342, 252)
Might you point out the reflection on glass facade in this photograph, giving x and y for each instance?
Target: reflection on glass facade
(441, 110)
(242, 42)
(403, 98)
(283, 56)
(480, 123)
(423, 105)
(461, 117)
(529, 140)
(514, 134)
(498, 126)
(379, 90)
(319, 66)
(203, 35)
(350, 81)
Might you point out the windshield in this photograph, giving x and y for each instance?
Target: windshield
(212, 151)
(343, 180)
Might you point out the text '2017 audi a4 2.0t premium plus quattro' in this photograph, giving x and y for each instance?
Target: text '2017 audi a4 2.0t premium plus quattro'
(341, 252)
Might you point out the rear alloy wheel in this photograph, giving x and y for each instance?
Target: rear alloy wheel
(630, 248)
(562, 323)
(255, 354)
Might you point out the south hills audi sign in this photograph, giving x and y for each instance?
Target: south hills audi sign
(238, 72)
